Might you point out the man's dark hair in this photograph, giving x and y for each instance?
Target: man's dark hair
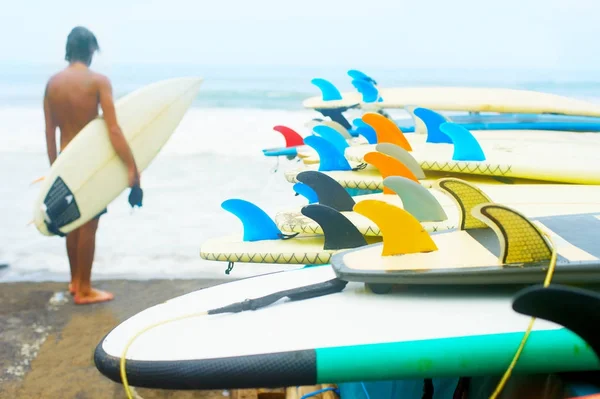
(81, 45)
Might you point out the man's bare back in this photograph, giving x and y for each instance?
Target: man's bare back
(73, 100)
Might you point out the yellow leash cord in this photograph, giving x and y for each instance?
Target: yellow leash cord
(130, 342)
(499, 388)
(508, 372)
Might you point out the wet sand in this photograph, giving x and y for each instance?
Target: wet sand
(47, 342)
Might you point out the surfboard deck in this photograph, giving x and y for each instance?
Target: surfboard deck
(462, 99)
(445, 331)
(88, 174)
(494, 244)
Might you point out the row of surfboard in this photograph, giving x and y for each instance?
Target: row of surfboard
(430, 231)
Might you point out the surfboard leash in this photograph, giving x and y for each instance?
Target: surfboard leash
(547, 280)
(294, 294)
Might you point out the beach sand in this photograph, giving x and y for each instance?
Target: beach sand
(47, 342)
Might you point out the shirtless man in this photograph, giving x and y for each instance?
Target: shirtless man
(71, 101)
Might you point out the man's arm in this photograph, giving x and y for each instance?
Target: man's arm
(50, 130)
(114, 130)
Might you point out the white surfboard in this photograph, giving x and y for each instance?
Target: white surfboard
(353, 335)
(464, 99)
(89, 174)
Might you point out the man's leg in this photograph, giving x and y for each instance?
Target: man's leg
(86, 247)
(72, 240)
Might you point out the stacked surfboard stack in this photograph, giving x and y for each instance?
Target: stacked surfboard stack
(414, 245)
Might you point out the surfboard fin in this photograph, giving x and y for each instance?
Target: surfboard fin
(416, 199)
(328, 191)
(402, 232)
(365, 130)
(395, 151)
(575, 308)
(432, 121)
(357, 75)
(333, 136)
(387, 131)
(369, 92)
(466, 146)
(388, 166)
(420, 127)
(256, 223)
(520, 240)
(330, 158)
(328, 90)
(292, 138)
(338, 231)
(306, 191)
(466, 196)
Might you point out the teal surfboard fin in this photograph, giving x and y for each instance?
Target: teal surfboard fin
(306, 191)
(416, 199)
(330, 158)
(333, 136)
(338, 231)
(466, 146)
(432, 121)
(328, 191)
(365, 130)
(328, 90)
(257, 224)
(370, 94)
(359, 75)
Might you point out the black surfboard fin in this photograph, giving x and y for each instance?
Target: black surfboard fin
(329, 192)
(577, 309)
(339, 232)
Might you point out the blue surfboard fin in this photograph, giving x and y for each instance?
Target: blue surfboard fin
(370, 94)
(333, 136)
(466, 146)
(257, 224)
(306, 191)
(330, 158)
(432, 121)
(355, 74)
(368, 133)
(328, 90)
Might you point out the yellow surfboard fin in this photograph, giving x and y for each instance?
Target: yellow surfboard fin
(386, 130)
(466, 196)
(389, 166)
(520, 240)
(402, 232)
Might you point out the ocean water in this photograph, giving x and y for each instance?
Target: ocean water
(215, 154)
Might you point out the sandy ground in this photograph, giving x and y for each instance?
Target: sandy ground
(47, 342)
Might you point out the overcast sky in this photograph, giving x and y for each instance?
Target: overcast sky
(550, 34)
